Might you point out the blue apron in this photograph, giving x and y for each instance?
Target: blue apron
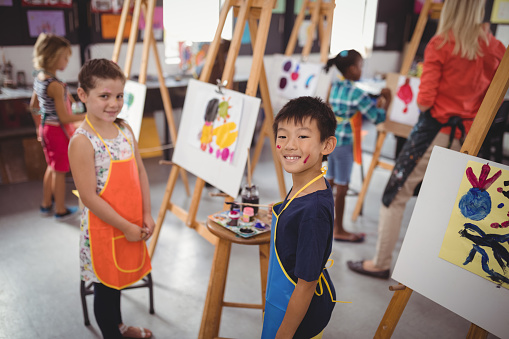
(276, 299)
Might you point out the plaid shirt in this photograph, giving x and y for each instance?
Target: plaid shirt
(346, 100)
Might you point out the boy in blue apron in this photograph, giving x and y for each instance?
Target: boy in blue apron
(300, 295)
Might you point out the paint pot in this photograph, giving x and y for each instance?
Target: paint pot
(234, 218)
(250, 195)
(246, 230)
(248, 214)
(234, 207)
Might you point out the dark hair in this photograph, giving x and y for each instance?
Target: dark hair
(343, 60)
(299, 109)
(98, 69)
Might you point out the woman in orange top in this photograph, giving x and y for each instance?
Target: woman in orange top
(459, 64)
(113, 186)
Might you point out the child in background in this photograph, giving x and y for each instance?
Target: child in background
(300, 294)
(346, 100)
(113, 185)
(51, 99)
(459, 64)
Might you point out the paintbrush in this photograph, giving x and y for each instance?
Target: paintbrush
(245, 204)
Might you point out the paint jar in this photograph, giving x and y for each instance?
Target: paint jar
(234, 207)
(248, 214)
(234, 218)
(250, 195)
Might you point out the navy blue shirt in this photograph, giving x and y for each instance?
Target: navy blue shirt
(304, 244)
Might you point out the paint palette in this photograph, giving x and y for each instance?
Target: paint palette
(243, 229)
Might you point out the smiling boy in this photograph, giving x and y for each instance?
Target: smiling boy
(300, 294)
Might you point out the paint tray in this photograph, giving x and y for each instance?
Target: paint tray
(244, 229)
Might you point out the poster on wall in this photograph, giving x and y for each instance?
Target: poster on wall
(110, 23)
(454, 193)
(47, 3)
(109, 6)
(46, 22)
(297, 78)
(134, 103)
(215, 132)
(477, 237)
(500, 12)
(7, 3)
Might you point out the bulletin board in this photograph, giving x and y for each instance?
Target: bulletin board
(216, 130)
(475, 298)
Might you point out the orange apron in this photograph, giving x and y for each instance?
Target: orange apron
(117, 262)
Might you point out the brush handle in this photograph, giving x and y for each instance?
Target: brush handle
(245, 204)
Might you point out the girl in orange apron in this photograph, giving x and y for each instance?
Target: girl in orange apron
(116, 219)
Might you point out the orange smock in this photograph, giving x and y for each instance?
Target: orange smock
(117, 262)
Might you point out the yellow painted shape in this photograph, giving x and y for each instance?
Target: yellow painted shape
(224, 135)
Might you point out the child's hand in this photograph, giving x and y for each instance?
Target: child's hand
(134, 233)
(380, 102)
(269, 210)
(148, 226)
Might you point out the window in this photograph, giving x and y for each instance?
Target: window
(191, 21)
(353, 26)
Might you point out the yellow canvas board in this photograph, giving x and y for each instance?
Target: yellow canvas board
(477, 237)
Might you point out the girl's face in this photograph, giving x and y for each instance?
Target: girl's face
(299, 147)
(104, 102)
(63, 59)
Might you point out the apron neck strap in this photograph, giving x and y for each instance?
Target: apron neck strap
(102, 140)
(323, 169)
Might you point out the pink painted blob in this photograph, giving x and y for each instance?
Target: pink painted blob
(306, 160)
(278, 146)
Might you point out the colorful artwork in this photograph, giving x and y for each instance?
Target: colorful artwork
(192, 56)
(46, 22)
(477, 237)
(298, 78)
(404, 108)
(134, 104)
(217, 131)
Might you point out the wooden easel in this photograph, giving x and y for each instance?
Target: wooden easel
(472, 144)
(435, 9)
(148, 41)
(320, 12)
(244, 10)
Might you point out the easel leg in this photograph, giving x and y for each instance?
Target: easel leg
(170, 186)
(269, 119)
(211, 318)
(264, 268)
(393, 313)
(475, 332)
(372, 166)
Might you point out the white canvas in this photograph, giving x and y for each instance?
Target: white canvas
(419, 266)
(134, 103)
(225, 175)
(404, 108)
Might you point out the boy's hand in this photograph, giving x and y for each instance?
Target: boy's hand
(269, 210)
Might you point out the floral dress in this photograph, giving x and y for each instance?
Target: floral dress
(120, 149)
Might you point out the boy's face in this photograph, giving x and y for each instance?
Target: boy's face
(299, 147)
(104, 102)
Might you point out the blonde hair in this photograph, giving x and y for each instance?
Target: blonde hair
(463, 19)
(47, 50)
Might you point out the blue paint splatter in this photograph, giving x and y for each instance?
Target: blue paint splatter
(500, 205)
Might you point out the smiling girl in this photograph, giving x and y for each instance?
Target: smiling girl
(113, 185)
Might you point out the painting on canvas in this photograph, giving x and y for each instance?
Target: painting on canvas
(404, 108)
(297, 78)
(134, 103)
(477, 237)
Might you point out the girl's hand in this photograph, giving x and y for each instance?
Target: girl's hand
(148, 226)
(134, 233)
(269, 210)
